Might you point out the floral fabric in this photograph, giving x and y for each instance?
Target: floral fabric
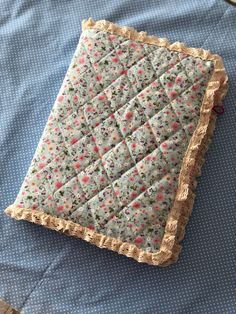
(110, 155)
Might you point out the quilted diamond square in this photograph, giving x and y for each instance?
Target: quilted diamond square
(93, 179)
(83, 152)
(153, 98)
(107, 134)
(74, 127)
(97, 110)
(117, 161)
(120, 92)
(141, 142)
(128, 186)
(109, 68)
(69, 197)
(130, 52)
(141, 74)
(164, 124)
(130, 117)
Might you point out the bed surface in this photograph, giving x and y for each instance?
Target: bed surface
(42, 271)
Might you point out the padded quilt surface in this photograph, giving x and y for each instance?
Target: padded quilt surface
(55, 274)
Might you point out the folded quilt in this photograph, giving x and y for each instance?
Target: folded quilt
(125, 140)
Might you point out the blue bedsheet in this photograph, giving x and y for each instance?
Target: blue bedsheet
(42, 271)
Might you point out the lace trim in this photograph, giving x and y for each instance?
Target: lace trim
(191, 165)
(6, 308)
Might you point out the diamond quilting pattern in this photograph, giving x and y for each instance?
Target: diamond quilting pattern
(116, 137)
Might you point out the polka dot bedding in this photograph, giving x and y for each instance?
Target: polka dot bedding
(125, 140)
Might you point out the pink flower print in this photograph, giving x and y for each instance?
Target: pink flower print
(60, 98)
(128, 115)
(111, 37)
(34, 206)
(156, 240)
(138, 240)
(119, 52)
(41, 165)
(101, 97)
(85, 39)
(102, 180)
(75, 98)
(156, 207)
(85, 179)
(136, 205)
(133, 145)
(124, 72)
(58, 184)
(81, 157)
(170, 84)
(117, 192)
(91, 227)
(93, 139)
(73, 141)
(115, 59)
(132, 179)
(96, 54)
(178, 79)
(81, 60)
(160, 197)
(195, 87)
(154, 84)
(134, 194)
(164, 145)
(133, 44)
(99, 77)
(175, 126)
(140, 71)
(49, 197)
(77, 165)
(76, 122)
(96, 149)
(190, 126)
(173, 94)
(60, 208)
(135, 172)
(143, 188)
(112, 116)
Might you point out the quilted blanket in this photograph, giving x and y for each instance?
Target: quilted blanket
(118, 159)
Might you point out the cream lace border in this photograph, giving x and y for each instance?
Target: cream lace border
(191, 165)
